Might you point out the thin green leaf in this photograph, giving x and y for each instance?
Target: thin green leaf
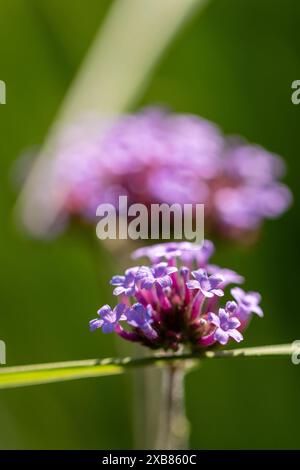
(47, 373)
(22, 376)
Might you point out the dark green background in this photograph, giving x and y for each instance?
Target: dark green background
(234, 64)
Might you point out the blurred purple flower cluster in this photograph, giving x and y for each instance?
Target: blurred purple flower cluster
(175, 301)
(156, 157)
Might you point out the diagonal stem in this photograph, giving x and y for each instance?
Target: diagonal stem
(157, 359)
(11, 377)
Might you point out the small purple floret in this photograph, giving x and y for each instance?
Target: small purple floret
(140, 317)
(226, 326)
(158, 274)
(125, 284)
(109, 318)
(247, 302)
(208, 285)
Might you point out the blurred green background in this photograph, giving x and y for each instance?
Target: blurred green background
(234, 64)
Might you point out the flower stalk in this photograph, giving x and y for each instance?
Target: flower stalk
(173, 432)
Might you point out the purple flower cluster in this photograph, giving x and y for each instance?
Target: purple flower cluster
(150, 157)
(176, 300)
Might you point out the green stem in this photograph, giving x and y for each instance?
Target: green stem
(11, 377)
(158, 359)
(173, 430)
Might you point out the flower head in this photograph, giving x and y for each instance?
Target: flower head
(150, 156)
(169, 304)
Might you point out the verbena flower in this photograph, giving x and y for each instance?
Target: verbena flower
(159, 275)
(226, 326)
(172, 303)
(248, 302)
(229, 276)
(140, 317)
(208, 285)
(125, 284)
(108, 318)
(150, 156)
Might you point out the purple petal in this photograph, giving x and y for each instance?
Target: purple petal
(104, 310)
(221, 336)
(119, 310)
(230, 276)
(130, 291)
(218, 292)
(231, 306)
(193, 285)
(237, 293)
(171, 270)
(138, 315)
(256, 296)
(236, 335)
(147, 283)
(184, 272)
(117, 280)
(132, 271)
(256, 309)
(233, 323)
(108, 327)
(206, 293)
(119, 290)
(149, 331)
(215, 280)
(164, 281)
(205, 252)
(223, 315)
(199, 275)
(149, 312)
(213, 318)
(96, 323)
(144, 271)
